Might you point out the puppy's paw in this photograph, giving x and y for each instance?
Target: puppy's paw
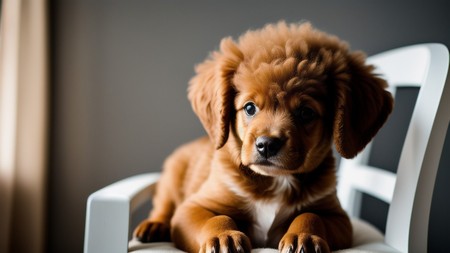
(229, 241)
(303, 243)
(150, 231)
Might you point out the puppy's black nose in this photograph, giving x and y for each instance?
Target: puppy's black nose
(268, 146)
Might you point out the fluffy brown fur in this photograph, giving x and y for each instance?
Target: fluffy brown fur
(272, 104)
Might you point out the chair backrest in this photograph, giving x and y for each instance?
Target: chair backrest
(409, 192)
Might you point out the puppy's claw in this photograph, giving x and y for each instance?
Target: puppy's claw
(150, 231)
(229, 241)
(303, 243)
(291, 249)
(239, 249)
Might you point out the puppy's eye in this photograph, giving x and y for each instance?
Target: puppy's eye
(305, 114)
(250, 109)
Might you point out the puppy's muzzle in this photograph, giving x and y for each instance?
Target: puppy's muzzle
(268, 146)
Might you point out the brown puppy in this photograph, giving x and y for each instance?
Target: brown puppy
(272, 104)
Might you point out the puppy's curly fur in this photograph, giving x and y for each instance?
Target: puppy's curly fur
(272, 104)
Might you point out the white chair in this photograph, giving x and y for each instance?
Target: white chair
(409, 192)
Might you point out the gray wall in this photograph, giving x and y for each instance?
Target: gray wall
(120, 71)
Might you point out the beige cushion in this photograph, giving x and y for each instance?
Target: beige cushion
(366, 238)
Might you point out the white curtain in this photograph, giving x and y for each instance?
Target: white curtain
(23, 125)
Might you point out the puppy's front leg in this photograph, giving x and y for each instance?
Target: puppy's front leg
(307, 233)
(195, 229)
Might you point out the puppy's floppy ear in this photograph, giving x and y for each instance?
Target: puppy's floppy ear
(211, 91)
(362, 106)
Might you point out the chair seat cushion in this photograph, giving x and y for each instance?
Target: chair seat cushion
(366, 238)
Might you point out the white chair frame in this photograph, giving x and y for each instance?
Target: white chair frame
(409, 192)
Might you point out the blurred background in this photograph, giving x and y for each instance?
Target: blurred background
(118, 73)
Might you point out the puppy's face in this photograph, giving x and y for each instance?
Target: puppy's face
(283, 94)
(283, 125)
